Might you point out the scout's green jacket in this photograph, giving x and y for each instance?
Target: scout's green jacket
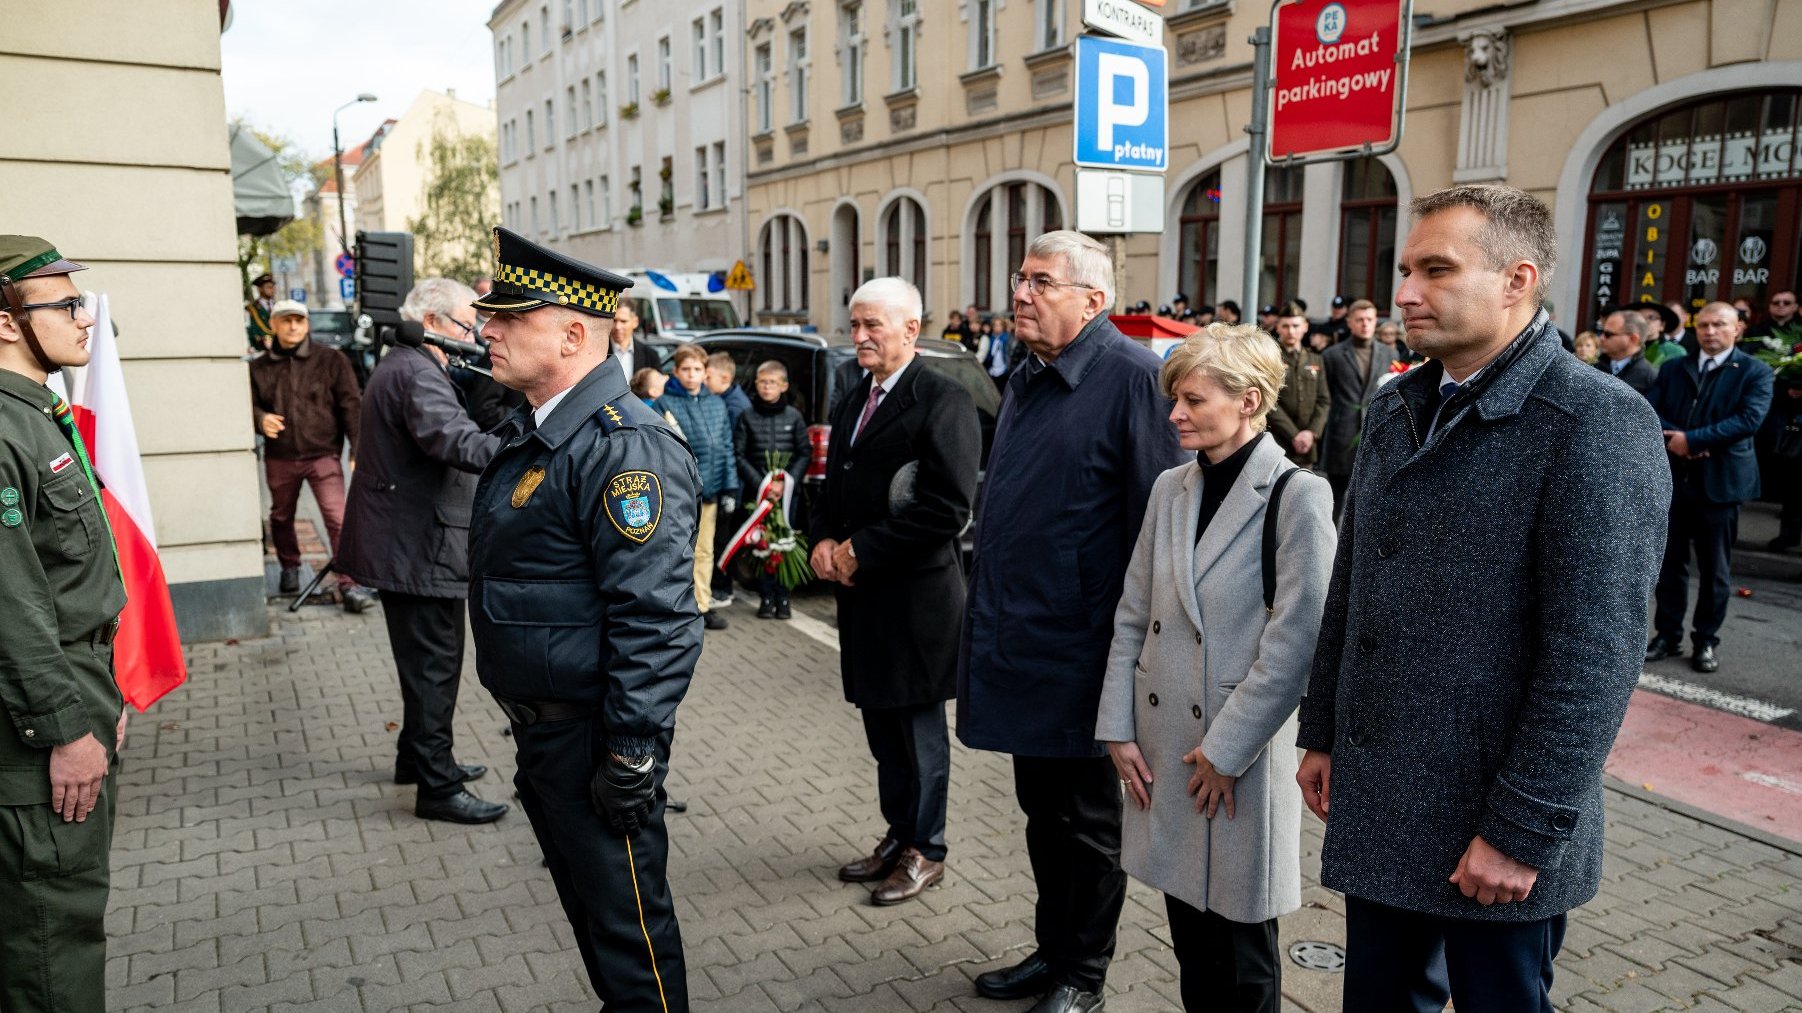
(59, 583)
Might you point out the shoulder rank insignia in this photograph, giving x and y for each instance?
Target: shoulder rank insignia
(611, 419)
(635, 504)
(528, 484)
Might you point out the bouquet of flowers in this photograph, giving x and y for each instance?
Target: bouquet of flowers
(777, 548)
(1773, 352)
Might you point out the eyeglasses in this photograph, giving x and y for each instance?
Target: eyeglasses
(468, 331)
(1614, 334)
(72, 305)
(1038, 283)
(1783, 302)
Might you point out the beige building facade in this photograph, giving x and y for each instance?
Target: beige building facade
(135, 107)
(933, 140)
(387, 186)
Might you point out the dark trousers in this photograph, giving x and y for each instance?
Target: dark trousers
(326, 478)
(53, 950)
(724, 527)
(913, 773)
(1226, 965)
(1400, 961)
(1710, 529)
(1072, 808)
(614, 891)
(426, 635)
(1339, 483)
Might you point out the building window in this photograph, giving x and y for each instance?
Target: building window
(1280, 278)
(606, 189)
(903, 239)
(544, 29)
(501, 69)
(525, 39)
(582, 11)
(632, 79)
(600, 95)
(699, 29)
(664, 74)
(666, 190)
(556, 223)
(982, 33)
(1016, 212)
(1699, 202)
(1367, 215)
(851, 42)
(719, 170)
(797, 74)
(531, 134)
(907, 43)
(587, 104)
(766, 89)
(1198, 265)
(716, 22)
(550, 126)
(575, 208)
(782, 253)
(1048, 22)
(569, 110)
(594, 222)
(534, 206)
(703, 180)
(569, 17)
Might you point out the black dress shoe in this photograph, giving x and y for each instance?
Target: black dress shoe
(459, 808)
(713, 621)
(1069, 999)
(290, 583)
(1028, 977)
(766, 609)
(1663, 647)
(676, 806)
(467, 772)
(1704, 660)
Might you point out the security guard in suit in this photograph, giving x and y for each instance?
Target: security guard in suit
(61, 715)
(583, 612)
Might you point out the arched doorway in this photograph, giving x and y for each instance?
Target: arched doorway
(1003, 220)
(1697, 202)
(847, 268)
(1367, 216)
(1198, 270)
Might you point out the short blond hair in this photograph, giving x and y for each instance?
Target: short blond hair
(1238, 357)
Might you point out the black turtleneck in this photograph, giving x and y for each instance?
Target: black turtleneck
(1217, 480)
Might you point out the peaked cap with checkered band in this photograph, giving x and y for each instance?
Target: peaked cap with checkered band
(527, 276)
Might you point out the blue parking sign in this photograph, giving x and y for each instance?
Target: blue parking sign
(347, 288)
(1122, 105)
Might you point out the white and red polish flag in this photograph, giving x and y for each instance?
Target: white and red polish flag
(147, 661)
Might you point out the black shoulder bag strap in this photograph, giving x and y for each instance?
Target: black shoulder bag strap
(1276, 497)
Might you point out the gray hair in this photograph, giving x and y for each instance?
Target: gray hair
(1633, 322)
(1089, 262)
(440, 297)
(897, 295)
(1518, 227)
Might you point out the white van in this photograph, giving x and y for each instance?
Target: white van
(676, 305)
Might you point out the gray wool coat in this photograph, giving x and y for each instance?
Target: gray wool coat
(1482, 633)
(1195, 661)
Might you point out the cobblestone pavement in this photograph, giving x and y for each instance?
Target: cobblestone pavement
(264, 860)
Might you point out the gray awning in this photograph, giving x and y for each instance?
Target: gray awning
(260, 194)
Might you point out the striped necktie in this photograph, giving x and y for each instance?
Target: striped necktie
(65, 420)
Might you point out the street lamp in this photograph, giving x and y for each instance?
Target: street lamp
(338, 169)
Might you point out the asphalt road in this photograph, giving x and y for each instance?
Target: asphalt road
(1761, 656)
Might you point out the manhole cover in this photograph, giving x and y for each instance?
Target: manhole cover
(1318, 956)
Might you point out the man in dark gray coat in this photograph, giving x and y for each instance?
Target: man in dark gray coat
(1355, 370)
(406, 533)
(1480, 641)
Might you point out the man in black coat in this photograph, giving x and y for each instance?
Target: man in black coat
(1478, 647)
(1622, 346)
(1710, 406)
(900, 480)
(628, 353)
(1354, 372)
(406, 533)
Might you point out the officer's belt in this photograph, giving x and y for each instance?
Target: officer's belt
(532, 712)
(101, 637)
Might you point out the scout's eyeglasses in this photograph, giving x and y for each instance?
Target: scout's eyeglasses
(71, 305)
(1038, 284)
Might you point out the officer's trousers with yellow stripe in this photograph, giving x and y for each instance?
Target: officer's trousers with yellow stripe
(615, 892)
(54, 879)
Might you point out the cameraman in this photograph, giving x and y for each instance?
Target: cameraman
(406, 532)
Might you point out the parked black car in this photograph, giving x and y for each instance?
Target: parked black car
(821, 370)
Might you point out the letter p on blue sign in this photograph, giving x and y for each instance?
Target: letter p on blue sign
(1122, 105)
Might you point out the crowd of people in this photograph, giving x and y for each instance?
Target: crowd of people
(1206, 592)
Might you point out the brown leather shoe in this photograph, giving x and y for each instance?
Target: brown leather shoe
(915, 873)
(877, 866)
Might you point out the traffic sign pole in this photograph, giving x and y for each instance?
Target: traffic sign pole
(1254, 170)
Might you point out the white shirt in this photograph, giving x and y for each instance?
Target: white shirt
(888, 387)
(1702, 366)
(625, 360)
(543, 411)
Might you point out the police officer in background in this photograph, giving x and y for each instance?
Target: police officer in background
(406, 533)
(583, 609)
(62, 719)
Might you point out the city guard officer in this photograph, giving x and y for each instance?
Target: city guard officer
(583, 610)
(63, 715)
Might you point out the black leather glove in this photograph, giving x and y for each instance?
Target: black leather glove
(623, 793)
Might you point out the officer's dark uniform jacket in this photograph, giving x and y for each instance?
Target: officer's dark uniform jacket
(582, 562)
(61, 589)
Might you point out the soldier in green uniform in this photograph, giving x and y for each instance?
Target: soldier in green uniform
(61, 715)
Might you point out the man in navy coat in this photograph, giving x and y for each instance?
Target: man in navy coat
(1083, 433)
(1710, 406)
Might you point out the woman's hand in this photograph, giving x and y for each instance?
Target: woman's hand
(1135, 773)
(1210, 787)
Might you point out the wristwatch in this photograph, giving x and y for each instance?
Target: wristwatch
(637, 764)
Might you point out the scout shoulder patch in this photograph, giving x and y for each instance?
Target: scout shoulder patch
(62, 461)
(11, 518)
(9, 497)
(528, 484)
(635, 503)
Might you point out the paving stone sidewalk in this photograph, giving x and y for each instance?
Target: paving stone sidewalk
(264, 861)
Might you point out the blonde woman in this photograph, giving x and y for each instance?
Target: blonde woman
(1198, 706)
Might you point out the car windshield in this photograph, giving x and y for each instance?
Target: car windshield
(696, 314)
(331, 321)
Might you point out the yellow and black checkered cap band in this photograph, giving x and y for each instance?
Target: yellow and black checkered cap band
(555, 289)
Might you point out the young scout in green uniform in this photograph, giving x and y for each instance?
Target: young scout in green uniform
(582, 605)
(61, 716)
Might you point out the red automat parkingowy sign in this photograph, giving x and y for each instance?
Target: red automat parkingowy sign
(1337, 85)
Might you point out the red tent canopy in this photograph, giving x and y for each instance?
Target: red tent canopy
(1147, 326)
